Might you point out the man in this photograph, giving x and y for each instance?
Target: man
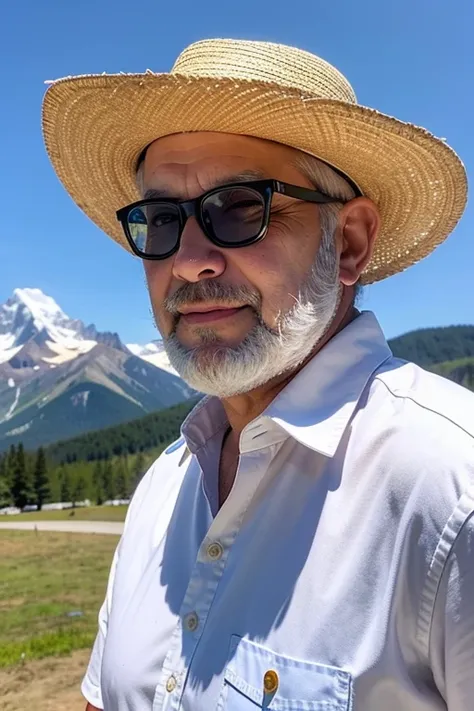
(308, 543)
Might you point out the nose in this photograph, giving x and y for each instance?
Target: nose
(197, 258)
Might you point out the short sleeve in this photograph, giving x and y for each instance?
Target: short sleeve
(91, 683)
(452, 631)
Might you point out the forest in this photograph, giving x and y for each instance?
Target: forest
(98, 466)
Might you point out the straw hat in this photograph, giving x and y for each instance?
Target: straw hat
(96, 126)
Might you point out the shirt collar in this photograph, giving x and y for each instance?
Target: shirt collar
(317, 404)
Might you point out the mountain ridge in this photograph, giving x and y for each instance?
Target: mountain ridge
(48, 359)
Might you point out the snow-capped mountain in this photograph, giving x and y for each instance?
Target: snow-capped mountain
(59, 377)
(31, 316)
(153, 352)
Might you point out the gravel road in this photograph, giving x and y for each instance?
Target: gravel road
(113, 527)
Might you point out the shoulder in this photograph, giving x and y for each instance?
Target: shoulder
(432, 398)
(420, 449)
(158, 490)
(427, 413)
(422, 438)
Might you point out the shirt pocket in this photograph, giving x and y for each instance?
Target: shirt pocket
(294, 685)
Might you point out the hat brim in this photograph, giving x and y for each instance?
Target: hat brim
(95, 127)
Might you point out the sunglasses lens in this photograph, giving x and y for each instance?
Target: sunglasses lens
(232, 216)
(154, 228)
(235, 215)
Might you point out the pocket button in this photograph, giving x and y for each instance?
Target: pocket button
(270, 681)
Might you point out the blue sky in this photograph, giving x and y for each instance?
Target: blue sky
(413, 59)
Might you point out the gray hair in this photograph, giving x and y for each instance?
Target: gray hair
(325, 179)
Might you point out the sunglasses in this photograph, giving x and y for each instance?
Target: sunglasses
(234, 215)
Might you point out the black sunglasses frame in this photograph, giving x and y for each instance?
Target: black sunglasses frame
(193, 208)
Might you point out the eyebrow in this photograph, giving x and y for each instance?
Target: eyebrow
(244, 177)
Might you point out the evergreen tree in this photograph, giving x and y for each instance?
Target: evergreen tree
(66, 494)
(97, 480)
(40, 479)
(121, 480)
(21, 485)
(138, 469)
(10, 464)
(79, 490)
(5, 494)
(108, 479)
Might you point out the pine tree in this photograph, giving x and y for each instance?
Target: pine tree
(10, 464)
(138, 469)
(40, 479)
(121, 479)
(5, 494)
(79, 490)
(21, 485)
(97, 479)
(66, 495)
(108, 479)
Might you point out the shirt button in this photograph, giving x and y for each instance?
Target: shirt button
(270, 681)
(191, 621)
(215, 551)
(171, 684)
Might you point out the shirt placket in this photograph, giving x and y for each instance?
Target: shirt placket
(207, 573)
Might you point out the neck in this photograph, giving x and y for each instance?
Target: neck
(242, 409)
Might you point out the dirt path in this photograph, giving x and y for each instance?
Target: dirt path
(114, 527)
(51, 684)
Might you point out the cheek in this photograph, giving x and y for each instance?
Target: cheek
(276, 275)
(296, 238)
(157, 275)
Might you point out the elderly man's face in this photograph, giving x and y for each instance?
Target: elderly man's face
(235, 319)
(187, 165)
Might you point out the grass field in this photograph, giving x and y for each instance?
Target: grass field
(90, 513)
(43, 577)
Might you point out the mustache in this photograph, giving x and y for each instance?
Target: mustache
(193, 293)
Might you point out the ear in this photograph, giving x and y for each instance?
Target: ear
(358, 227)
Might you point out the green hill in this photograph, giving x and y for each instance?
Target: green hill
(461, 371)
(153, 431)
(432, 346)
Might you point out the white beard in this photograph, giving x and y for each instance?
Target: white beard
(265, 353)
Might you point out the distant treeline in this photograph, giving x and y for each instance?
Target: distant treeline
(431, 346)
(30, 478)
(153, 431)
(99, 466)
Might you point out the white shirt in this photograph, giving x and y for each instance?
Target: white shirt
(342, 561)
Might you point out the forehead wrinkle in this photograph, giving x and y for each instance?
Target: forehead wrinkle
(241, 177)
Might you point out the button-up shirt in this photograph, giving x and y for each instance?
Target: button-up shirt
(339, 573)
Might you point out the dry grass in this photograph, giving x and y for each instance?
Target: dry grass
(51, 684)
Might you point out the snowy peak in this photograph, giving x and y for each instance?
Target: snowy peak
(154, 353)
(31, 317)
(50, 364)
(29, 313)
(42, 308)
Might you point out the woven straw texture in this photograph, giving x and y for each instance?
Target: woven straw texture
(96, 126)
